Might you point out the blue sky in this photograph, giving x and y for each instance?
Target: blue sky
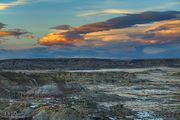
(71, 28)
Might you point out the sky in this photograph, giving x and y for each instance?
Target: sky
(115, 29)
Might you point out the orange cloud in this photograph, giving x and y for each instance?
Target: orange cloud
(11, 33)
(30, 37)
(170, 28)
(166, 31)
(125, 29)
(97, 38)
(120, 35)
(59, 38)
(7, 33)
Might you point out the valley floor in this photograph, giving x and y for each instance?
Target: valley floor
(108, 94)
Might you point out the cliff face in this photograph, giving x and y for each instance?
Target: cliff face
(84, 63)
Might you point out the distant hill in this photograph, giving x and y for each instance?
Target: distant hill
(84, 63)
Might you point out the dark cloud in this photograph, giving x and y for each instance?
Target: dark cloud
(2, 25)
(16, 33)
(127, 21)
(114, 50)
(164, 32)
(62, 27)
(7, 33)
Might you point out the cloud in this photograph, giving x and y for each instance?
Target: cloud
(163, 32)
(2, 25)
(30, 37)
(57, 38)
(158, 48)
(127, 21)
(154, 50)
(121, 29)
(5, 5)
(62, 27)
(112, 50)
(7, 33)
(10, 4)
(15, 33)
(108, 11)
(173, 5)
(166, 31)
(121, 36)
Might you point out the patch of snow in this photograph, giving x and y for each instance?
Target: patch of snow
(108, 104)
(112, 118)
(34, 105)
(150, 115)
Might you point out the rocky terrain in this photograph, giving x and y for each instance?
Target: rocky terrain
(124, 94)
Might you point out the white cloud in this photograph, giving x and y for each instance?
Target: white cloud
(10, 4)
(108, 11)
(153, 50)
